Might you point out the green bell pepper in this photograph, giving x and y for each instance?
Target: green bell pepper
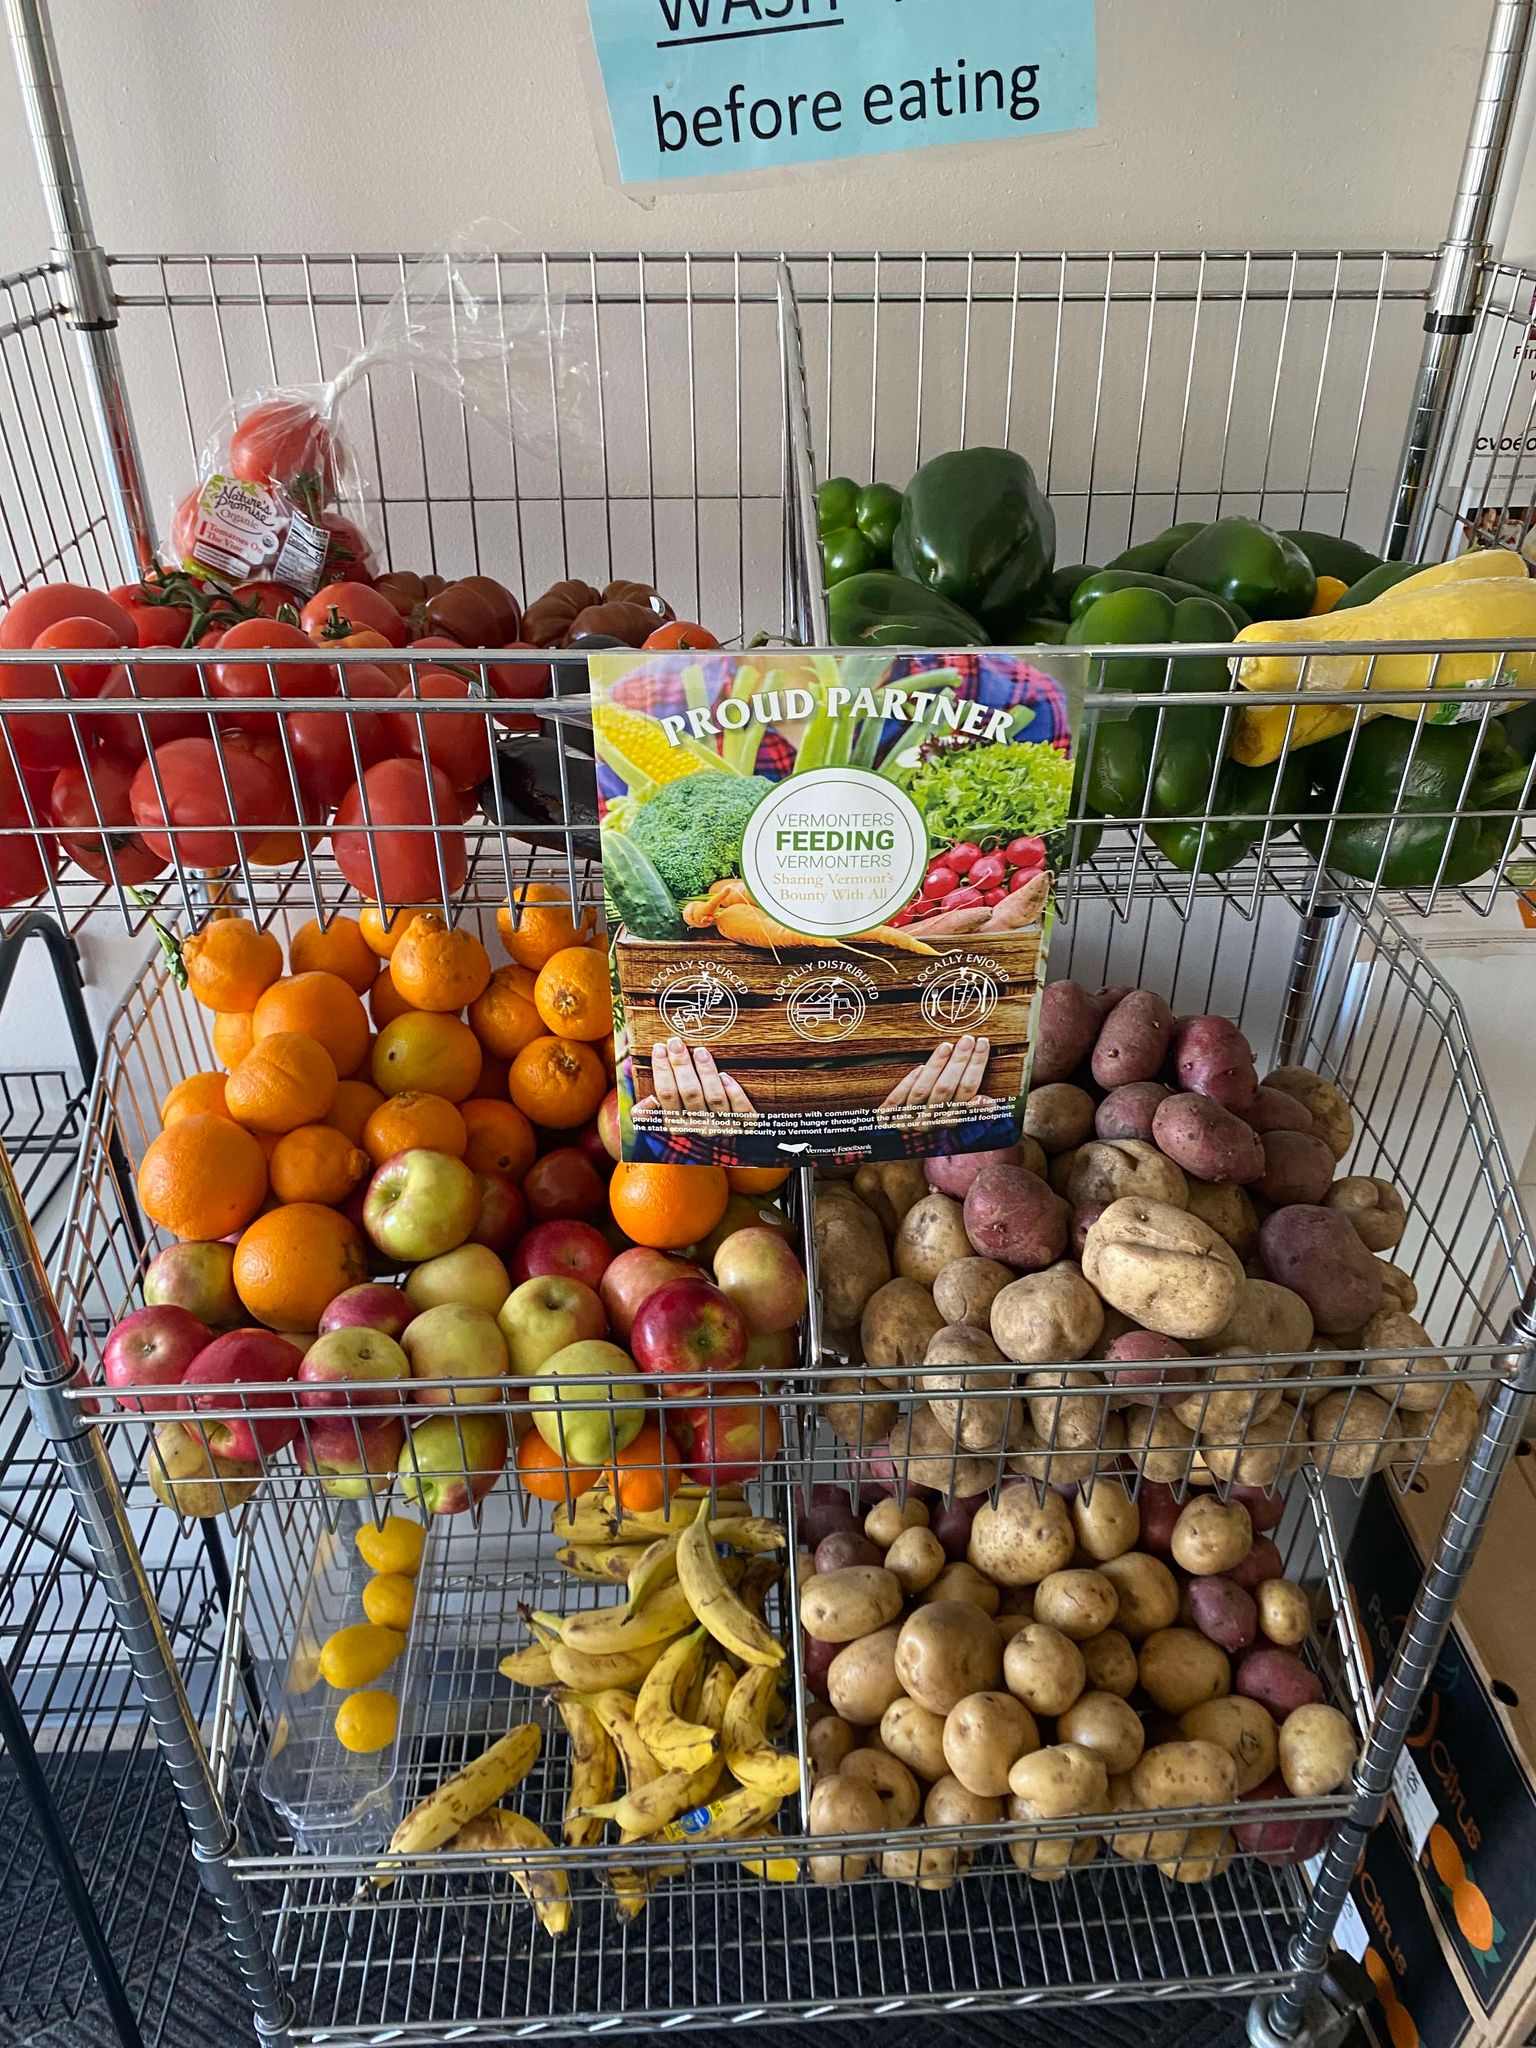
(837, 500)
(1332, 556)
(881, 609)
(1064, 583)
(1248, 564)
(1377, 583)
(976, 528)
(1243, 800)
(846, 552)
(1154, 555)
(875, 513)
(1428, 781)
(1104, 582)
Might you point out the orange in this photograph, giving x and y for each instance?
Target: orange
(503, 1017)
(283, 1081)
(538, 932)
(381, 935)
(667, 1206)
(203, 1178)
(433, 1054)
(643, 1474)
(557, 1082)
(574, 995)
(756, 1180)
(233, 1036)
(414, 1122)
(321, 1006)
(315, 1164)
(351, 1106)
(438, 969)
(543, 1472)
(199, 1095)
(1474, 1915)
(338, 948)
(293, 1262)
(385, 1002)
(364, 1065)
(501, 1138)
(229, 963)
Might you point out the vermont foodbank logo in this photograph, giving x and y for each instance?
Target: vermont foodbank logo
(834, 851)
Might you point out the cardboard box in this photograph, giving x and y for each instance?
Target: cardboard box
(1473, 1747)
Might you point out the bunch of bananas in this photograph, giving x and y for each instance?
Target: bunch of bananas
(680, 1683)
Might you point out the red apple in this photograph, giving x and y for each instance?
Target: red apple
(258, 1366)
(608, 1125)
(563, 1183)
(772, 1354)
(375, 1305)
(760, 1273)
(340, 1369)
(634, 1275)
(685, 1333)
(745, 1212)
(153, 1347)
(543, 1316)
(566, 1246)
(589, 1142)
(451, 1461)
(199, 1278)
(353, 1459)
(503, 1212)
(728, 1442)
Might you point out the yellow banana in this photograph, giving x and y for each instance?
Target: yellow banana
(594, 1769)
(757, 1582)
(608, 1563)
(609, 1631)
(616, 1711)
(702, 1577)
(739, 1813)
(528, 1666)
(677, 1744)
(500, 1830)
(749, 1756)
(632, 1888)
(656, 1566)
(597, 1519)
(588, 1671)
(749, 1532)
(463, 1797)
(771, 1869)
(643, 1813)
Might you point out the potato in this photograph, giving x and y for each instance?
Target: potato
(1183, 1774)
(1058, 1172)
(830, 1739)
(1059, 1781)
(1179, 1669)
(1455, 1426)
(891, 1187)
(1067, 1409)
(1046, 1316)
(1259, 1452)
(1008, 1626)
(946, 1651)
(1207, 1141)
(1277, 1679)
(951, 1523)
(1146, 1591)
(1317, 1750)
(1349, 1432)
(1211, 1057)
(843, 1806)
(845, 1547)
(1047, 1859)
(1106, 1519)
(966, 1289)
(961, 1581)
(928, 1454)
(951, 1173)
(1211, 1536)
(1398, 1290)
(931, 1237)
(1058, 1116)
(931, 1866)
(1424, 1386)
(1138, 1371)
(841, 1606)
(1103, 1723)
(1078, 1603)
(1108, 1169)
(888, 1777)
(1203, 1854)
(959, 1378)
(1226, 1408)
(1262, 1562)
(897, 1326)
(1272, 1110)
(1064, 1034)
(950, 1805)
(1266, 1318)
(1330, 1113)
(1298, 1167)
(1224, 1612)
(1023, 1539)
(915, 1559)
(1285, 1613)
(1162, 1267)
(861, 1679)
(1044, 1668)
(1280, 1842)
(1056, 1465)
(854, 1412)
(984, 1736)
(851, 1254)
(1012, 1215)
(1109, 1663)
(1134, 1040)
(916, 1736)
(1128, 1112)
(1159, 1444)
(1227, 1211)
(1244, 1729)
(888, 1518)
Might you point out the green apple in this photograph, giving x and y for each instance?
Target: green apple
(472, 1275)
(589, 1372)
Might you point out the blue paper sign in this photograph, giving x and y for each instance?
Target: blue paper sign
(697, 87)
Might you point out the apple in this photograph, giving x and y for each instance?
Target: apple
(686, 1332)
(545, 1314)
(260, 1365)
(199, 1278)
(588, 1372)
(375, 1305)
(340, 1367)
(608, 1130)
(420, 1204)
(760, 1273)
(727, 1443)
(634, 1275)
(770, 1355)
(352, 1460)
(454, 1342)
(745, 1212)
(563, 1183)
(588, 1140)
(472, 1276)
(184, 1474)
(153, 1347)
(451, 1461)
(503, 1212)
(566, 1246)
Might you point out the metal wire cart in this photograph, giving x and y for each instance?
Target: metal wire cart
(1367, 393)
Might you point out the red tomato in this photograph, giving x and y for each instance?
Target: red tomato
(321, 743)
(680, 633)
(401, 793)
(95, 818)
(284, 441)
(123, 736)
(43, 740)
(184, 813)
(35, 610)
(85, 678)
(459, 745)
(27, 857)
(349, 554)
(162, 625)
(251, 681)
(513, 680)
(266, 600)
(354, 605)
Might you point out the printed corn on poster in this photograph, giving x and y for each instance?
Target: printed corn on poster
(829, 884)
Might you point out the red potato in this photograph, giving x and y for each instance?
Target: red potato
(1317, 1253)
(1134, 1041)
(1298, 1167)
(1208, 1141)
(1223, 1611)
(951, 1523)
(1263, 1560)
(1277, 1679)
(1012, 1215)
(953, 1172)
(1110, 997)
(1160, 1509)
(1272, 1110)
(1211, 1057)
(1265, 1510)
(1084, 1217)
(817, 1662)
(1069, 1024)
(845, 1547)
(1136, 1371)
(828, 1513)
(1278, 1842)
(1128, 1112)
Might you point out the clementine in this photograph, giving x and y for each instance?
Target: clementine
(385, 1002)
(501, 1138)
(202, 1178)
(756, 1180)
(233, 1036)
(284, 1080)
(351, 1106)
(199, 1095)
(438, 969)
(503, 1017)
(293, 1262)
(557, 1082)
(414, 1122)
(667, 1206)
(229, 963)
(642, 1475)
(382, 929)
(542, 1471)
(573, 994)
(338, 948)
(315, 1163)
(537, 923)
(424, 1050)
(324, 1008)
